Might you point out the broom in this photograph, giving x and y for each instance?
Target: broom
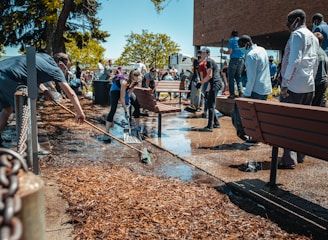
(144, 154)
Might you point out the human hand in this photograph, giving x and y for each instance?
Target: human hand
(47, 95)
(80, 118)
(283, 92)
(198, 85)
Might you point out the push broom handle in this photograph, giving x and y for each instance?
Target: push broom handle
(97, 128)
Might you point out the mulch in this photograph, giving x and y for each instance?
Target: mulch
(117, 203)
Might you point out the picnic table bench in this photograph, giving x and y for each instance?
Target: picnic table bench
(146, 100)
(300, 128)
(173, 86)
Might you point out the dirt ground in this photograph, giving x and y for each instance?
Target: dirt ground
(95, 190)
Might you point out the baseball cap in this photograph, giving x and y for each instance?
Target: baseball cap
(205, 50)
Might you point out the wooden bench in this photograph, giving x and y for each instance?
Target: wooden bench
(296, 127)
(173, 86)
(146, 100)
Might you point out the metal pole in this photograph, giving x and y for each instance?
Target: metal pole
(221, 63)
(32, 94)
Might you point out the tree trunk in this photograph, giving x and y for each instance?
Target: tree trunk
(50, 31)
(58, 44)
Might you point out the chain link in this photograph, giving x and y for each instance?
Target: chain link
(10, 164)
(21, 143)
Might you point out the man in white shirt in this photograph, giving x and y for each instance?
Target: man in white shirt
(298, 71)
(101, 68)
(141, 67)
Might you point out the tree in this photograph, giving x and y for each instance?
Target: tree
(46, 24)
(87, 51)
(152, 49)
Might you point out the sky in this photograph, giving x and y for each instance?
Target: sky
(122, 17)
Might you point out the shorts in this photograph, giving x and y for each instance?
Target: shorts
(7, 91)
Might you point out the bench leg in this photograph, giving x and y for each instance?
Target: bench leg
(274, 166)
(159, 125)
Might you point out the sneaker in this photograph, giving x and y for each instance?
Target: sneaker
(216, 126)
(250, 142)
(231, 96)
(286, 166)
(206, 129)
(204, 115)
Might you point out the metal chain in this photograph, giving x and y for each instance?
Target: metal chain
(10, 164)
(21, 144)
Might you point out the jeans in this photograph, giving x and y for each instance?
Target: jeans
(203, 99)
(211, 107)
(255, 95)
(235, 69)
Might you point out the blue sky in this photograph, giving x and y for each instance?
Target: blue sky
(121, 17)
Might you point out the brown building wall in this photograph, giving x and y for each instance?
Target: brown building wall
(264, 21)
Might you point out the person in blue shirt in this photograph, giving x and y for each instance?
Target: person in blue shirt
(236, 65)
(122, 89)
(319, 25)
(273, 72)
(258, 84)
(13, 73)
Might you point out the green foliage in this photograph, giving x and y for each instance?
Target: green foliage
(87, 52)
(152, 49)
(44, 23)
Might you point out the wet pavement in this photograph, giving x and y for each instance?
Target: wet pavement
(220, 154)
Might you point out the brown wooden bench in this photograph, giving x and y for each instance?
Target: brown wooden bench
(174, 86)
(146, 100)
(296, 127)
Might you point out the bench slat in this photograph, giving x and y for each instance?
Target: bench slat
(315, 126)
(306, 148)
(292, 133)
(169, 86)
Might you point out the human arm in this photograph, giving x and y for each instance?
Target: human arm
(124, 86)
(229, 51)
(45, 91)
(80, 116)
(251, 65)
(294, 58)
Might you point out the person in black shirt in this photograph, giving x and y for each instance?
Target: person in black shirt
(215, 81)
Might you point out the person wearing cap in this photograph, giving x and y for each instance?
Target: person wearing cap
(319, 25)
(215, 82)
(236, 65)
(273, 72)
(122, 90)
(298, 70)
(49, 68)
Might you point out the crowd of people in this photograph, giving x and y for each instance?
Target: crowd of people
(250, 73)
